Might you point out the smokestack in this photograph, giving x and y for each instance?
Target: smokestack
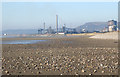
(56, 23)
(44, 25)
(44, 28)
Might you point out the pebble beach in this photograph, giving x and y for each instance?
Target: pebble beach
(61, 56)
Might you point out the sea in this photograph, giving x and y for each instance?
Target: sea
(19, 41)
(25, 34)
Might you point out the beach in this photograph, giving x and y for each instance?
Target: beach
(79, 55)
(109, 35)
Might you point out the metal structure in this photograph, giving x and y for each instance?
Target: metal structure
(56, 23)
(112, 25)
(44, 27)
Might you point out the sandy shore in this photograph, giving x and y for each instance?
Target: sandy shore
(109, 35)
(61, 56)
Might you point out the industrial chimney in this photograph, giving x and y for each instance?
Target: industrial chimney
(56, 23)
(44, 27)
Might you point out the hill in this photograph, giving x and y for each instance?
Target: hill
(92, 26)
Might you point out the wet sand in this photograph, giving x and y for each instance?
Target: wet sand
(61, 56)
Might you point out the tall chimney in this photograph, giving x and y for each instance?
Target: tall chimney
(44, 28)
(44, 25)
(56, 23)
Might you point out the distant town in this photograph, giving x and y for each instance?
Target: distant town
(110, 27)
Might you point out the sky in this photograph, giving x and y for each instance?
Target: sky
(32, 15)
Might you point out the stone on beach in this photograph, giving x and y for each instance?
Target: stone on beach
(61, 59)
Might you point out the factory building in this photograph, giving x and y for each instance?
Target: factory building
(50, 30)
(40, 31)
(112, 25)
(63, 29)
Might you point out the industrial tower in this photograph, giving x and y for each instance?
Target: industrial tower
(56, 23)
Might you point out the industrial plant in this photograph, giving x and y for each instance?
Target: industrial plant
(111, 26)
(62, 30)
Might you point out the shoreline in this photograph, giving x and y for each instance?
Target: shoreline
(108, 35)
